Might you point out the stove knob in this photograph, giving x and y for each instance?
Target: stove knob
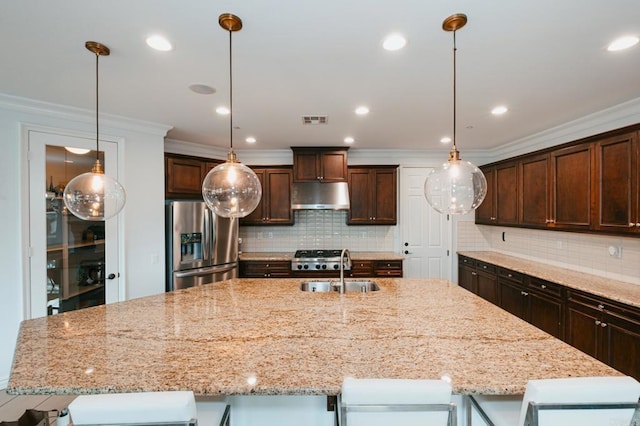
(336, 266)
(306, 266)
(317, 266)
(299, 266)
(324, 266)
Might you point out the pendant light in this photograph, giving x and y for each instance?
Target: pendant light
(456, 187)
(93, 195)
(231, 189)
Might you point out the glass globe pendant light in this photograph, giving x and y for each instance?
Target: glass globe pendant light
(456, 187)
(93, 195)
(231, 189)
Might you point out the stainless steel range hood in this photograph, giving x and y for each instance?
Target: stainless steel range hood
(320, 196)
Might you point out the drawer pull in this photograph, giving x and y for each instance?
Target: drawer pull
(603, 325)
(510, 276)
(601, 306)
(598, 322)
(542, 286)
(524, 293)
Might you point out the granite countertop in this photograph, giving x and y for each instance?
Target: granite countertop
(355, 255)
(620, 291)
(265, 336)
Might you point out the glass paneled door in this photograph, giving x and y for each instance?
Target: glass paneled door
(73, 262)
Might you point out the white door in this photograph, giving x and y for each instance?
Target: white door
(72, 263)
(425, 233)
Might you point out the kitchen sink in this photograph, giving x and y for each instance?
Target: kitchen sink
(350, 286)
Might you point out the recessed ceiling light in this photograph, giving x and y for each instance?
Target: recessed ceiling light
(222, 110)
(499, 110)
(202, 89)
(160, 43)
(251, 139)
(362, 110)
(622, 43)
(446, 139)
(349, 139)
(394, 41)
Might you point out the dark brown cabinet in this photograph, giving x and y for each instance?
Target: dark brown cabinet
(373, 195)
(534, 185)
(312, 164)
(571, 179)
(265, 269)
(605, 330)
(591, 185)
(361, 269)
(275, 206)
(479, 278)
(486, 212)
(617, 184)
(387, 268)
(184, 175)
(500, 206)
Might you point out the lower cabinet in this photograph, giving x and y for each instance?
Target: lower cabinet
(479, 278)
(602, 328)
(605, 330)
(265, 269)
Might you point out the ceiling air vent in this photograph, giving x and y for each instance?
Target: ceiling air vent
(315, 119)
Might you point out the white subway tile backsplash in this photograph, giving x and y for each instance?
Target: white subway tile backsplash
(317, 229)
(582, 252)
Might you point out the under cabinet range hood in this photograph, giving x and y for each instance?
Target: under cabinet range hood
(320, 196)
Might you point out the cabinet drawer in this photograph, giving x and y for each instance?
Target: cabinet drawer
(388, 268)
(265, 269)
(542, 286)
(463, 260)
(361, 268)
(487, 267)
(511, 275)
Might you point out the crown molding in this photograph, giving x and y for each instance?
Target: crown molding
(81, 115)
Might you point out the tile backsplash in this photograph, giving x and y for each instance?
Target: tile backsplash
(581, 252)
(317, 229)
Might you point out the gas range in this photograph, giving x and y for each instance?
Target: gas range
(318, 260)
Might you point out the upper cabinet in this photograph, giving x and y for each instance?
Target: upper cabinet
(571, 192)
(617, 183)
(311, 164)
(184, 175)
(372, 195)
(500, 205)
(275, 206)
(591, 185)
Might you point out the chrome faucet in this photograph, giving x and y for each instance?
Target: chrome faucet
(342, 255)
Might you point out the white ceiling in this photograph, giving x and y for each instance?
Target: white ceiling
(545, 59)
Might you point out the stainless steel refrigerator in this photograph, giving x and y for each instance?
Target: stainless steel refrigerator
(201, 247)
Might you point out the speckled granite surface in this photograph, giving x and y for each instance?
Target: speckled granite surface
(616, 290)
(355, 255)
(248, 336)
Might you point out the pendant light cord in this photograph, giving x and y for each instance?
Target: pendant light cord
(97, 106)
(230, 94)
(454, 90)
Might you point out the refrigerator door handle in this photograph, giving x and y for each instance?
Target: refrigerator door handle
(206, 271)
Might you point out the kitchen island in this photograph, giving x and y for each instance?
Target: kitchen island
(266, 337)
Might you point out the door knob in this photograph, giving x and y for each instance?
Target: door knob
(407, 252)
(111, 276)
(406, 244)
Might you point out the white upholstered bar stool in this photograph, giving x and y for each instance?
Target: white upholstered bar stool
(406, 402)
(584, 401)
(148, 408)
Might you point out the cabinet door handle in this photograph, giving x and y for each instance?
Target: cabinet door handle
(603, 325)
(474, 273)
(598, 322)
(524, 293)
(631, 224)
(638, 225)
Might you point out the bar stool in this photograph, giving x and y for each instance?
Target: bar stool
(587, 401)
(149, 408)
(407, 402)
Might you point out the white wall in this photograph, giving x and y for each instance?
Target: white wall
(142, 229)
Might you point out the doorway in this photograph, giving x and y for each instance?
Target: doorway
(425, 233)
(73, 263)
